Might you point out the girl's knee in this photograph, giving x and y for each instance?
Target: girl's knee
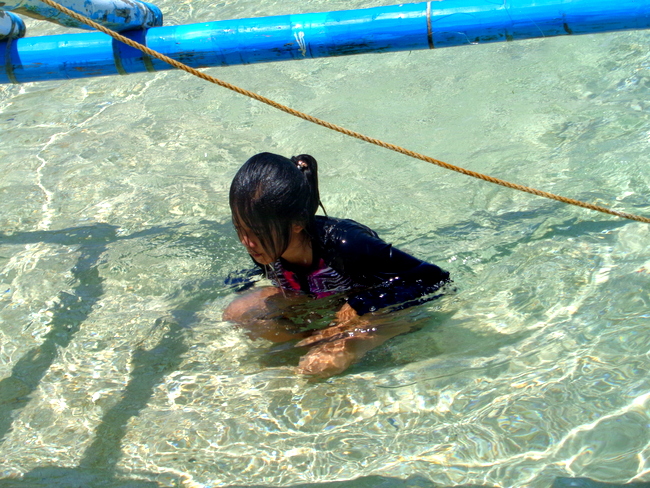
(250, 306)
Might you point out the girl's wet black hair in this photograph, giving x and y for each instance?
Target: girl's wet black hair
(270, 193)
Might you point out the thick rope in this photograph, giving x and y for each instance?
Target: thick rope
(337, 128)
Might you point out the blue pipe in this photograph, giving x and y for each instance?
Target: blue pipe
(11, 26)
(118, 15)
(405, 27)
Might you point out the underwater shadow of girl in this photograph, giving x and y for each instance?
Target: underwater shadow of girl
(273, 201)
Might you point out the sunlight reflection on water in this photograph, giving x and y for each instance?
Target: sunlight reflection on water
(115, 362)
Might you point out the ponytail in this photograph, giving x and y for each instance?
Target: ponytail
(309, 168)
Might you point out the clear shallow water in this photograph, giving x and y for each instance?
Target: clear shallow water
(115, 366)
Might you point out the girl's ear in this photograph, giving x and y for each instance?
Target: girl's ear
(297, 228)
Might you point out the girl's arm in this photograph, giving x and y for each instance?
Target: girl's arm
(392, 277)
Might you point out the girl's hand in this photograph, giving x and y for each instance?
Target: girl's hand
(335, 348)
(347, 324)
(346, 314)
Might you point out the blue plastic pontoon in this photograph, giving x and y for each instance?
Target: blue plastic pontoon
(426, 25)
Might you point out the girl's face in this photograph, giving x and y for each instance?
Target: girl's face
(253, 246)
(298, 249)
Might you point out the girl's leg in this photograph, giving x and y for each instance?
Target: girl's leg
(251, 305)
(260, 312)
(337, 348)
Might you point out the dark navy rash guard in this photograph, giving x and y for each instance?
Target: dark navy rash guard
(351, 258)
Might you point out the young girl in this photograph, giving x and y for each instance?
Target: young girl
(274, 202)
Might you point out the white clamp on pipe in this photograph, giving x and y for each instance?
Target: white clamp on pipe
(117, 15)
(11, 26)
